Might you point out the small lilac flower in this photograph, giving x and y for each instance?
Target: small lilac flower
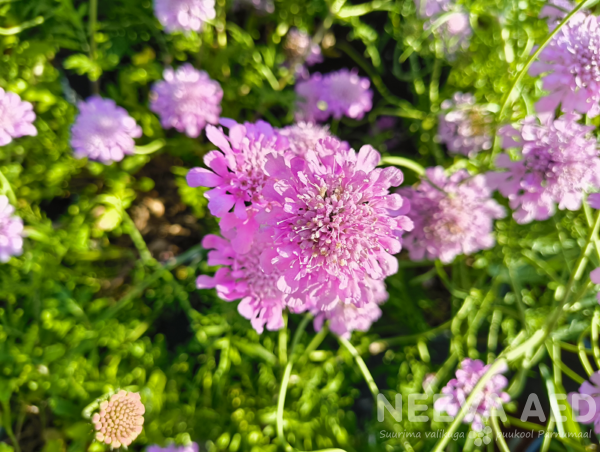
(458, 390)
(572, 63)
(556, 10)
(120, 419)
(304, 136)
(452, 215)
(187, 99)
(455, 29)
(237, 174)
(173, 448)
(11, 231)
(103, 131)
(333, 223)
(242, 277)
(184, 15)
(595, 278)
(298, 45)
(594, 200)
(586, 402)
(346, 318)
(337, 94)
(465, 127)
(16, 117)
(559, 163)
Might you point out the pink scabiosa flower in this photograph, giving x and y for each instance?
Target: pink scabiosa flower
(120, 419)
(187, 100)
(455, 29)
(594, 200)
(11, 231)
(458, 390)
(586, 402)
(173, 448)
(556, 10)
(184, 15)
(346, 318)
(242, 277)
(333, 224)
(452, 215)
(103, 131)
(465, 127)
(16, 117)
(595, 278)
(304, 136)
(237, 175)
(572, 64)
(559, 163)
(337, 94)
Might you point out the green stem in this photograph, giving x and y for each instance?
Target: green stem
(286, 380)
(498, 432)
(383, 344)
(362, 366)
(403, 162)
(548, 438)
(314, 343)
(93, 23)
(7, 424)
(585, 362)
(282, 341)
(138, 240)
(7, 190)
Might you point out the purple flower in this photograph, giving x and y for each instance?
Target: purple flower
(594, 200)
(242, 277)
(238, 174)
(586, 402)
(103, 131)
(11, 231)
(572, 63)
(458, 390)
(187, 99)
(559, 163)
(595, 278)
(333, 223)
(173, 448)
(184, 15)
(16, 116)
(346, 318)
(452, 215)
(337, 94)
(555, 11)
(464, 127)
(305, 136)
(455, 29)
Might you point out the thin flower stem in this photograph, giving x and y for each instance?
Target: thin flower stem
(594, 337)
(403, 162)
(548, 438)
(286, 380)
(362, 366)
(571, 348)
(138, 240)
(559, 366)
(7, 424)
(500, 442)
(6, 189)
(93, 23)
(314, 343)
(383, 344)
(585, 362)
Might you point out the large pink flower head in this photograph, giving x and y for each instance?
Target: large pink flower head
(11, 231)
(586, 402)
(103, 131)
(452, 215)
(337, 94)
(305, 136)
(333, 223)
(187, 100)
(346, 318)
(572, 63)
(242, 277)
(238, 174)
(184, 15)
(464, 126)
(16, 117)
(173, 448)
(458, 390)
(120, 419)
(559, 162)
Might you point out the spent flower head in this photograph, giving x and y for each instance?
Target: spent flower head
(453, 215)
(103, 131)
(16, 117)
(120, 419)
(187, 100)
